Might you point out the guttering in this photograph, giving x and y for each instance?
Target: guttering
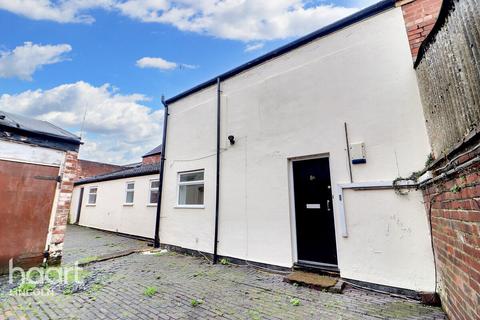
(156, 241)
(340, 24)
(217, 181)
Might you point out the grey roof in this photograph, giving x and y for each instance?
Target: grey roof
(40, 127)
(154, 151)
(142, 170)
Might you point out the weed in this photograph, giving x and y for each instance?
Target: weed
(455, 189)
(195, 302)
(254, 315)
(224, 261)
(25, 287)
(68, 290)
(87, 259)
(98, 237)
(150, 291)
(295, 302)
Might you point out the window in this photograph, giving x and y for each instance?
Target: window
(190, 189)
(129, 192)
(153, 191)
(92, 195)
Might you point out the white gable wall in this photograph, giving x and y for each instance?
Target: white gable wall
(294, 106)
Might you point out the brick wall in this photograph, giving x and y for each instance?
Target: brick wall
(86, 168)
(64, 197)
(419, 16)
(151, 159)
(454, 205)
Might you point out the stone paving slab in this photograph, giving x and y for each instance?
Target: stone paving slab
(183, 287)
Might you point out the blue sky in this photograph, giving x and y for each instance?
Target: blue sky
(115, 58)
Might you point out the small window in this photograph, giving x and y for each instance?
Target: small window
(92, 195)
(153, 191)
(190, 189)
(129, 192)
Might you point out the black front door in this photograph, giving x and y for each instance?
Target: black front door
(313, 212)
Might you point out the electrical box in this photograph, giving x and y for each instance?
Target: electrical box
(357, 153)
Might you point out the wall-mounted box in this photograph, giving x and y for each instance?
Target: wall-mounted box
(357, 153)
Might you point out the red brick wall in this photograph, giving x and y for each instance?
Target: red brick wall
(419, 16)
(64, 197)
(151, 159)
(454, 205)
(86, 168)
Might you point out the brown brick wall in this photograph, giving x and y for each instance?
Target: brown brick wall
(64, 197)
(419, 16)
(454, 205)
(151, 159)
(86, 168)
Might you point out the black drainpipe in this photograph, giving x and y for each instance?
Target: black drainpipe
(156, 242)
(217, 186)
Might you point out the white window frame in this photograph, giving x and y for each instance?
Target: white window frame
(89, 204)
(125, 203)
(152, 204)
(185, 183)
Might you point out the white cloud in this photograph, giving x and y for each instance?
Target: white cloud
(118, 128)
(64, 11)
(254, 46)
(158, 63)
(24, 60)
(162, 64)
(245, 20)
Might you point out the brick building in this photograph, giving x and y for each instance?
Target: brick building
(37, 169)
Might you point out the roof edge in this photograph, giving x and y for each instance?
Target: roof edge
(324, 31)
(105, 177)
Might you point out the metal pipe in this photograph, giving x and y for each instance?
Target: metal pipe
(79, 208)
(348, 153)
(156, 242)
(217, 185)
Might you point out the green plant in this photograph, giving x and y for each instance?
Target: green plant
(455, 189)
(150, 291)
(87, 260)
(195, 302)
(295, 302)
(25, 287)
(68, 290)
(224, 261)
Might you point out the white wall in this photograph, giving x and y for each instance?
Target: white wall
(293, 106)
(110, 212)
(22, 152)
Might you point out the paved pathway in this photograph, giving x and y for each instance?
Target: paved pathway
(173, 286)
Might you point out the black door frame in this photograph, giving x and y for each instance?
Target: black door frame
(293, 224)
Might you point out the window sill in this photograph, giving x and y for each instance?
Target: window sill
(151, 205)
(128, 204)
(189, 207)
(90, 205)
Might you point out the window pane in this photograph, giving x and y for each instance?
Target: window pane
(154, 184)
(130, 186)
(129, 197)
(194, 176)
(191, 195)
(92, 198)
(93, 190)
(153, 196)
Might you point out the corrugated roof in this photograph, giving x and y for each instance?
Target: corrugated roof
(154, 151)
(142, 170)
(340, 24)
(35, 126)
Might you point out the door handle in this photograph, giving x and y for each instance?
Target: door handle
(328, 205)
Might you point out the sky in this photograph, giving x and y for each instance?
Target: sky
(98, 68)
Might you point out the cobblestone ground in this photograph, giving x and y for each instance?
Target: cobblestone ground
(173, 286)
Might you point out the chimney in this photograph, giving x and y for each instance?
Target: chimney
(420, 17)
